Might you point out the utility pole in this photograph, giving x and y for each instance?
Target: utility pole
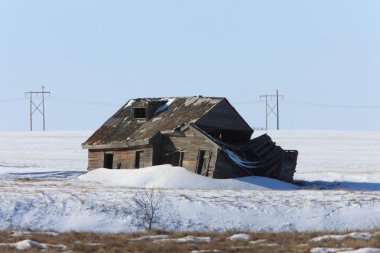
(271, 107)
(33, 107)
(278, 112)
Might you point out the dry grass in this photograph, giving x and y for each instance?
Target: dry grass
(122, 242)
(26, 179)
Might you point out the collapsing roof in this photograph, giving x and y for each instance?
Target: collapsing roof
(163, 114)
(203, 134)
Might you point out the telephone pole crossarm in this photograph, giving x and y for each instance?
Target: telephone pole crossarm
(268, 105)
(33, 107)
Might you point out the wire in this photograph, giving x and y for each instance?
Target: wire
(290, 102)
(5, 100)
(246, 102)
(81, 102)
(301, 103)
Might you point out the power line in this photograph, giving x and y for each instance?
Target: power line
(302, 103)
(64, 100)
(305, 103)
(81, 102)
(6, 100)
(247, 102)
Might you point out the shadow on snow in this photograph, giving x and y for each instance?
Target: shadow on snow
(345, 185)
(46, 174)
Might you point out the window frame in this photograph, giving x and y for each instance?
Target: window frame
(140, 108)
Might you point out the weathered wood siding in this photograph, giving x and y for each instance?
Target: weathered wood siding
(95, 159)
(224, 116)
(190, 144)
(125, 159)
(148, 157)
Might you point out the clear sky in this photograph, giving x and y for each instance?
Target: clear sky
(323, 56)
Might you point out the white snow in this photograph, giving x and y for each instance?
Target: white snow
(260, 241)
(206, 251)
(28, 244)
(350, 158)
(150, 237)
(355, 235)
(329, 250)
(345, 250)
(42, 155)
(165, 106)
(30, 233)
(239, 237)
(25, 244)
(169, 177)
(347, 164)
(165, 238)
(363, 250)
(130, 102)
(271, 244)
(187, 239)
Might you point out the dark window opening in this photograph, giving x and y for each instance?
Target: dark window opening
(108, 160)
(139, 162)
(139, 113)
(180, 160)
(200, 162)
(176, 158)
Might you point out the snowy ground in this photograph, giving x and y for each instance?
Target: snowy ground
(39, 189)
(344, 156)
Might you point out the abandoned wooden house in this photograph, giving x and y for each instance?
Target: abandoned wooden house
(205, 135)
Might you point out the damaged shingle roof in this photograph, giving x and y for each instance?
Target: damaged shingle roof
(123, 129)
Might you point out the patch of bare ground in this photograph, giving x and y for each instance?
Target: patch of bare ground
(162, 241)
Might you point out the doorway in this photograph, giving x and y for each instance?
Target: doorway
(203, 162)
(139, 159)
(108, 160)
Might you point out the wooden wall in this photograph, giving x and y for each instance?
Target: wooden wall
(190, 144)
(148, 157)
(95, 159)
(125, 157)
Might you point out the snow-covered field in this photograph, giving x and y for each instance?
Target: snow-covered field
(40, 188)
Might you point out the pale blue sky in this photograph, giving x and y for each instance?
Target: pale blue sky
(317, 53)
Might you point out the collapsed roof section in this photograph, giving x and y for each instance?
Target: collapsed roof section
(141, 119)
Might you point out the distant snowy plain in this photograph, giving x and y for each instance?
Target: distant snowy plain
(339, 174)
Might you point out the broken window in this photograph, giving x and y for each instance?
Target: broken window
(139, 113)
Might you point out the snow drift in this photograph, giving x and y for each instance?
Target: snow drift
(56, 200)
(169, 177)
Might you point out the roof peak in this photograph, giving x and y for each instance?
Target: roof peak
(171, 97)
